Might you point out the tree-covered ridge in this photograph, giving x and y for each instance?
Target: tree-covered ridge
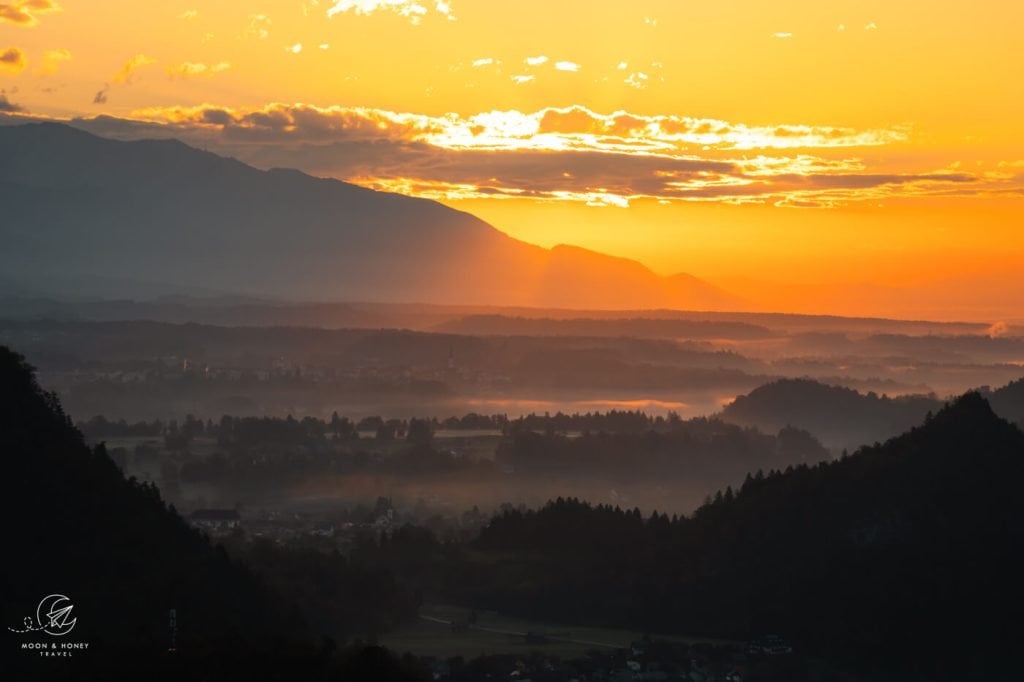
(74, 525)
(845, 418)
(1008, 401)
(697, 450)
(908, 553)
(840, 416)
(576, 454)
(78, 527)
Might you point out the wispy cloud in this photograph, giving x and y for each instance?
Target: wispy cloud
(196, 69)
(259, 26)
(567, 66)
(413, 10)
(126, 76)
(26, 12)
(782, 35)
(189, 14)
(536, 61)
(638, 80)
(127, 72)
(484, 61)
(52, 59)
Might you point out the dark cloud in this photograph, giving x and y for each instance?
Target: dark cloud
(14, 14)
(24, 13)
(101, 95)
(521, 170)
(391, 151)
(217, 117)
(12, 59)
(120, 128)
(7, 106)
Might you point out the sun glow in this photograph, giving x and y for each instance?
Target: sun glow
(577, 155)
(689, 137)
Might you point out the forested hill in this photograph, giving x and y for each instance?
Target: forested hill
(841, 417)
(844, 418)
(1008, 401)
(75, 526)
(906, 555)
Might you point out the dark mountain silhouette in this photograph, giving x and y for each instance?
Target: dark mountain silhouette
(902, 557)
(74, 526)
(841, 417)
(85, 214)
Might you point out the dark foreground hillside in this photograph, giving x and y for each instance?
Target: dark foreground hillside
(901, 561)
(74, 526)
(905, 557)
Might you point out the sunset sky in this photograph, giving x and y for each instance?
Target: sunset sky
(747, 142)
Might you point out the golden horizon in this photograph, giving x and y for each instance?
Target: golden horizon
(865, 149)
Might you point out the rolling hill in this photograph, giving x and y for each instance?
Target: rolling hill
(840, 416)
(845, 418)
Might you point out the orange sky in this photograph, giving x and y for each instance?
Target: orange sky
(797, 143)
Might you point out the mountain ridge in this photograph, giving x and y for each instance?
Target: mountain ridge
(81, 206)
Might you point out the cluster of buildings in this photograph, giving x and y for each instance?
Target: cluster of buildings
(284, 528)
(642, 661)
(173, 368)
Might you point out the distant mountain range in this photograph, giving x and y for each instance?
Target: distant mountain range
(97, 217)
(826, 332)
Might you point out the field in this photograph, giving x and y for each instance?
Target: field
(496, 633)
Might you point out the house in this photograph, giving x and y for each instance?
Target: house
(769, 645)
(215, 520)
